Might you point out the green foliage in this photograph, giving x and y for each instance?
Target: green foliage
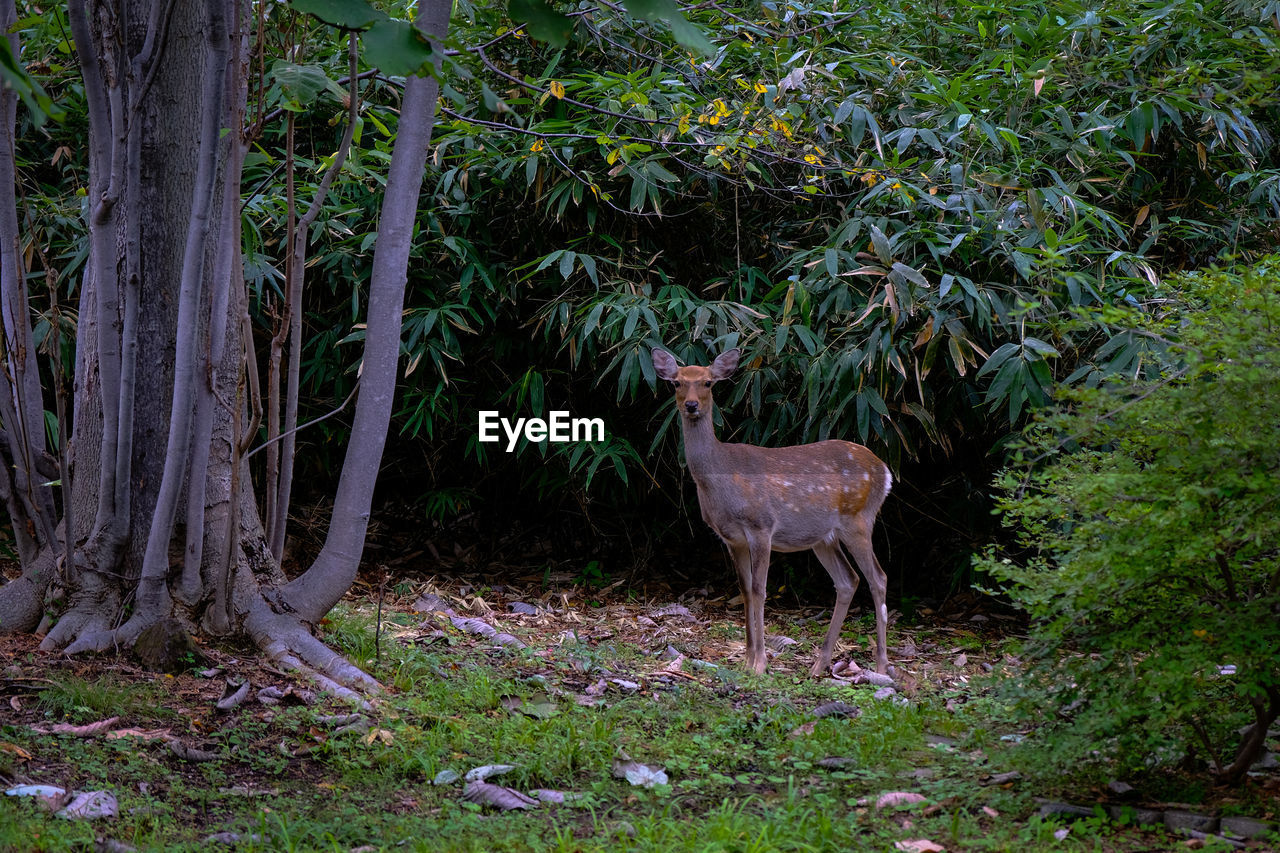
(1148, 511)
(895, 212)
(396, 47)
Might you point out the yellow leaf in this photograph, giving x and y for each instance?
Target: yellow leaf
(379, 735)
(1141, 217)
(760, 88)
(556, 88)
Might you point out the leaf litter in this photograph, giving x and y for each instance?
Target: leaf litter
(684, 648)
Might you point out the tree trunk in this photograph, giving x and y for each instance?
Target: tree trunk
(167, 520)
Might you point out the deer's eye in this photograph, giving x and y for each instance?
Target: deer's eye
(708, 384)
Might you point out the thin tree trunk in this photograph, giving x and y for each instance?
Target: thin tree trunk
(278, 522)
(153, 590)
(28, 501)
(314, 593)
(22, 405)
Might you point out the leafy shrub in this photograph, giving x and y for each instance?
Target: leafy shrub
(1148, 508)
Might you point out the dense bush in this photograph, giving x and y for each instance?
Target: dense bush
(1148, 510)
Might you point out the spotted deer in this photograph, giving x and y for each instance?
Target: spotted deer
(761, 499)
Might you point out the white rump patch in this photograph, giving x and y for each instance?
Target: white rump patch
(888, 480)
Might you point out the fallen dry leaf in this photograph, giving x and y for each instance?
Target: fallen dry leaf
(145, 734)
(803, 729)
(640, 775)
(473, 626)
(919, 845)
(381, 735)
(232, 696)
(14, 749)
(487, 794)
(898, 798)
(479, 774)
(87, 730)
(88, 805)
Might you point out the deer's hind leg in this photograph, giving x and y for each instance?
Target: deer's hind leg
(846, 582)
(857, 539)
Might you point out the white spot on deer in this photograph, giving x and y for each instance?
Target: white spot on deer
(888, 479)
(866, 476)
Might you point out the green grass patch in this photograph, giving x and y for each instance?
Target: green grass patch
(750, 765)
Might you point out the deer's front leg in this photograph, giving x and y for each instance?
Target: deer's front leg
(751, 603)
(759, 548)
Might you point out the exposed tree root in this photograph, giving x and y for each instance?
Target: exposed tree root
(287, 642)
(86, 625)
(22, 599)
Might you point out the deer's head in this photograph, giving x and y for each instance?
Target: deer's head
(692, 384)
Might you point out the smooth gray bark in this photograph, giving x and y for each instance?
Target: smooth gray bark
(315, 591)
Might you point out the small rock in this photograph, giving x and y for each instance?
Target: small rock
(884, 693)
(167, 647)
(836, 709)
(1122, 789)
(835, 762)
(430, 603)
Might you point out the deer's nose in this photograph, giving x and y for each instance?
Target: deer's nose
(691, 406)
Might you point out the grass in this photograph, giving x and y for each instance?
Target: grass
(750, 765)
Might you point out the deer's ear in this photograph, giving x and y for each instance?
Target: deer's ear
(664, 365)
(725, 364)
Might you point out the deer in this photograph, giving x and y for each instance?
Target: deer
(817, 497)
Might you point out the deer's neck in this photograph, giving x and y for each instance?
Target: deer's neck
(701, 447)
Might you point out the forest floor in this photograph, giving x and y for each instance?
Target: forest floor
(557, 714)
